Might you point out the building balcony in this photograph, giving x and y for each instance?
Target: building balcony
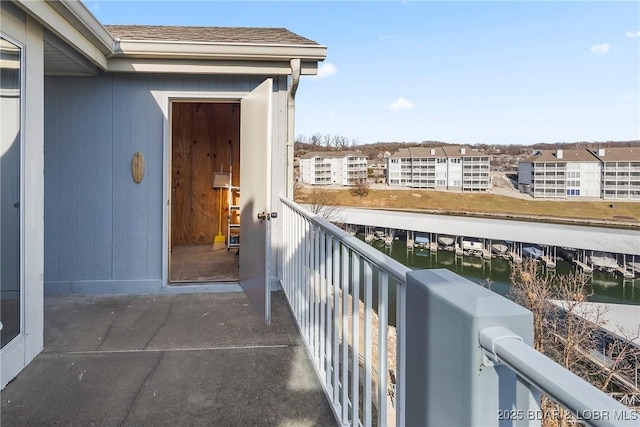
(356, 339)
(167, 360)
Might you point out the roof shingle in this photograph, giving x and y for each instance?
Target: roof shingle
(277, 36)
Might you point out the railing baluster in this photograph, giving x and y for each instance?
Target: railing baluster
(322, 299)
(312, 288)
(328, 368)
(345, 334)
(307, 286)
(355, 337)
(299, 276)
(336, 320)
(368, 343)
(401, 328)
(316, 293)
(383, 296)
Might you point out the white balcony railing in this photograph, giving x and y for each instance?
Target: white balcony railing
(462, 353)
(325, 270)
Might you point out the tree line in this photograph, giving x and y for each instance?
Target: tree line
(328, 142)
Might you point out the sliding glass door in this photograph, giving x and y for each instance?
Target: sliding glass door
(10, 190)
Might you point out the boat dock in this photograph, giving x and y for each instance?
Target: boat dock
(586, 247)
(515, 257)
(548, 261)
(459, 251)
(624, 272)
(582, 266)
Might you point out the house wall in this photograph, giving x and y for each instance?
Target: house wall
(454, 173)
(103, 232)
(583, 179)
(29, 33)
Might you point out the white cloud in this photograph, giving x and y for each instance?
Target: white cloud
(326, 69)
(627, 96)
(401, 104)
(600, 49)
(633, 34)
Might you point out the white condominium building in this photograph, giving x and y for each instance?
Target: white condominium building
(332, 167)
(620, 172)
(440, 168)
(611, 173)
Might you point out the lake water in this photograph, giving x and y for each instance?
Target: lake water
(606, 287)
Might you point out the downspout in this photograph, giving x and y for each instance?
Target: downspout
(291, 106)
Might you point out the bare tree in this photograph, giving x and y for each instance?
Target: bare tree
(320, 201)
(360, 187)
(340, 142)
(569, 330)
(316, 140)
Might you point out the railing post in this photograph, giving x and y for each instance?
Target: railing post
(450, 380)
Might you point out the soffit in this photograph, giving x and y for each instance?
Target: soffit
(61, 59)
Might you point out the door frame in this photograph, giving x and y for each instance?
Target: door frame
(21, 350)
(12, 354)
(164, 100)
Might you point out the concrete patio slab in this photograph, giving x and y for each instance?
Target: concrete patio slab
(191, 359)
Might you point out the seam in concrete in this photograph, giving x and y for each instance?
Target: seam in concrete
(113, 320)
(169, 310)
(144, 381)
(168, 350)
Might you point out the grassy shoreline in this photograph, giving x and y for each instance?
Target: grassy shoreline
(599, 213)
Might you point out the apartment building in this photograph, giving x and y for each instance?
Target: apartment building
(611, 173)
(332, 167)
(620, 172)
(439, 168)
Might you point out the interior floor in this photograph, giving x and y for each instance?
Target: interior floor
(199, 263)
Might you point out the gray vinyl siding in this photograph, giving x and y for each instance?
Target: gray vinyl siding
(102, 229)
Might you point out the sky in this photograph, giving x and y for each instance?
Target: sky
(503, 72)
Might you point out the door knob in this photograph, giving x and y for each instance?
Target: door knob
(262, 216)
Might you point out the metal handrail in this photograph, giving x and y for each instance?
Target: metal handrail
(585, 402)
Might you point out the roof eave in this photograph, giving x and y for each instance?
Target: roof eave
(153, 49)
(89, 24)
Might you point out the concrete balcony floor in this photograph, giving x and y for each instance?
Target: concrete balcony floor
(188, 359)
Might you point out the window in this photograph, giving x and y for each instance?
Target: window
(455, 161)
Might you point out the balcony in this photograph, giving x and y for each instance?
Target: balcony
(356, 339)
(167, 360)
